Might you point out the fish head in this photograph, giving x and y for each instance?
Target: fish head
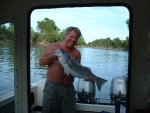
(62, 55)
(57, 52)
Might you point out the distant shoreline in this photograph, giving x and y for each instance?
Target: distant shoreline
(8, 42)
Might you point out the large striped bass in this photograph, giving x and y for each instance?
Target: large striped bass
(75, 69)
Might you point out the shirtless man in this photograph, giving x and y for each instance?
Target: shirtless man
(59, 93)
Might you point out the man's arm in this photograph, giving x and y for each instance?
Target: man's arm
(48, 56)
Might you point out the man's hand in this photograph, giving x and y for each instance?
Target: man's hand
(88, 78)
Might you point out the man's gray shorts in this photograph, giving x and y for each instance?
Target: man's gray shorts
(58, 98)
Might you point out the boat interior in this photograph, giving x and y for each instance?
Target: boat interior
(26, 96)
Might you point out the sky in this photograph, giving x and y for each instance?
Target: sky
(94, 22)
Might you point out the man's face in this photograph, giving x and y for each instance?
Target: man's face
(71, 38)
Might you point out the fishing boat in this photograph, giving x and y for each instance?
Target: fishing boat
(85, 101)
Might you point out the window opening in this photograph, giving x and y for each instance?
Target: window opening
(104, 44)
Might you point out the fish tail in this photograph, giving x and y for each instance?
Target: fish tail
(100, 82)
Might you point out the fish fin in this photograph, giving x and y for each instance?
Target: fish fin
(100, 82)
(66, 72)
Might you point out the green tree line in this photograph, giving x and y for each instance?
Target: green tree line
(115, 43)
(6, 32)
(48, 32)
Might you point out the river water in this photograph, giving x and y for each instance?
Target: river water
(103, 63)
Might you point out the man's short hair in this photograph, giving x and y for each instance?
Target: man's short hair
(71, 28)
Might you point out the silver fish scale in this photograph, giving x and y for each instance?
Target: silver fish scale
(82, 70)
